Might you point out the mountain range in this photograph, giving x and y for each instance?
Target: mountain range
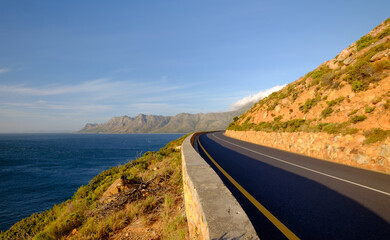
(180, 123)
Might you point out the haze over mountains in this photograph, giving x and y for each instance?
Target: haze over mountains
(180, 123)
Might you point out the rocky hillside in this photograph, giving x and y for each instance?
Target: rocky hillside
(181, 123)
(142, 200)
(348, 96)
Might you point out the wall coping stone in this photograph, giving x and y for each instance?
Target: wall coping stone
(212, 211)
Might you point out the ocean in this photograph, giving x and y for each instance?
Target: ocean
(40, 170)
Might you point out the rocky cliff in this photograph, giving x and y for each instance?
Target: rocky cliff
(348, 96)
(181, 123)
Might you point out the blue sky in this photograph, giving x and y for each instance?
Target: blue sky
(66, 63)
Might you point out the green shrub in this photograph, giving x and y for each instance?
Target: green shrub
(382, 65)
(273, 105)
(336, 101)
(327, 79)
(278, 118)
(384, 33)
(374, 50)
(363, 72)
(293, 125)
(375, 135)
(353, 112)
(295, 96)
(364, 42)
(235, 119)
(336, 128)
(327, 112)
(358, 118)
(319, 73)
(357, 86)
(351, 131)
(369, 109)
(311, 102)
(330, 128)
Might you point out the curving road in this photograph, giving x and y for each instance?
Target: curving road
(290, 196)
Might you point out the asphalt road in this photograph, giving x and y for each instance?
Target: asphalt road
(308, 197)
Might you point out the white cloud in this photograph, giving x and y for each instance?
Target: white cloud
(255, 98)
(42, 105)
(91, 86)
(4, 70)
(103, 86)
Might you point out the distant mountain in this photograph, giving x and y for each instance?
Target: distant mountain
(181, 123)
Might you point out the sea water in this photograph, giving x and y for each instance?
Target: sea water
(40, 170)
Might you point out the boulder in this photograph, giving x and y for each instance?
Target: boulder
(344, 54)
(332, 64)
(349, 60)
(380, 55)
(115, 188)
(361, 159)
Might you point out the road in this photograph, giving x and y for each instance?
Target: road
(290, 196)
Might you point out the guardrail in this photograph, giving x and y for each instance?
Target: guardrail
(212, 211)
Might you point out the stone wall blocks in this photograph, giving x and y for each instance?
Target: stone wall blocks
(212, 211)
(348, 149)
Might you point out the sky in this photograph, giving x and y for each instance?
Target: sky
(67, 63)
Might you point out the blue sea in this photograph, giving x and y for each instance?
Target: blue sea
(40, 170)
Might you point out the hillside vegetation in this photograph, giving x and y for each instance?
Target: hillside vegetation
(181, 123)
(349, 94)
(139, 200)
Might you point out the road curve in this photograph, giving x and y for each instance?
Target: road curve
(290, 196)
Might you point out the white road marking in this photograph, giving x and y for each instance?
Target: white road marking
(308, 169)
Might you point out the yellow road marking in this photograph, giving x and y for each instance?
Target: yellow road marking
(287, 232)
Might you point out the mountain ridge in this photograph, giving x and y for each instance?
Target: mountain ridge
(180, 123)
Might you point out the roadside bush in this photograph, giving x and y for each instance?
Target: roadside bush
(293, 125)
(330, 128)
(375, 135)
(336, 128)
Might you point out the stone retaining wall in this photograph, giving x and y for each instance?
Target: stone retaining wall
(347, 149)
(212, 211)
